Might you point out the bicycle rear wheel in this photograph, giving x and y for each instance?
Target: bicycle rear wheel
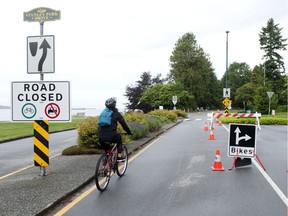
(122, 166)
(102, 173)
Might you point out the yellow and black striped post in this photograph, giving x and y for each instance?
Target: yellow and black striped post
(41, 143)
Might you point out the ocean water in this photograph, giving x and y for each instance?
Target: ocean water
(5, 114)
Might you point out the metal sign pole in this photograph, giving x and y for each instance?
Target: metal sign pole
(41, 15)
(43, 168)
(41, 34)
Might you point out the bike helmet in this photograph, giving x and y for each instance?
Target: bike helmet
(110, 103)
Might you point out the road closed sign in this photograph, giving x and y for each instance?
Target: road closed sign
(42, 100)
(242, 140)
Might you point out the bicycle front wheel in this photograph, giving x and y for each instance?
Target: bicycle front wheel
(102, 173)
(122, 165)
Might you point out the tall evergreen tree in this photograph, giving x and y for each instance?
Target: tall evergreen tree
(272, 42)
(191, 67)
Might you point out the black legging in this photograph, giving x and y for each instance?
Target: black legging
(112, 139)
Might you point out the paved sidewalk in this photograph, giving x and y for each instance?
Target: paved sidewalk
(27, 193)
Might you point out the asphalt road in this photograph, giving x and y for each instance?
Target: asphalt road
(18, 154)
(173, 176)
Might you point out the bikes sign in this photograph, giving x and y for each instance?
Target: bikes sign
(242, 140)
(41, 100)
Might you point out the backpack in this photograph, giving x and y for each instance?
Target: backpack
(105, 117)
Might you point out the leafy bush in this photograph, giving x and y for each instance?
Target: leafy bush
(88, 133)
(180, 113)
(139, 124)
(77, 150)
(274, 121)
(135, 117)
(154, 123)
(138, 130)
(170, 116)
(238, 120)
(263, 120)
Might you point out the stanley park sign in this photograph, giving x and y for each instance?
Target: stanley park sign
(42, 14)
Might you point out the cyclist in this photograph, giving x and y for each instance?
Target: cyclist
(109, 133)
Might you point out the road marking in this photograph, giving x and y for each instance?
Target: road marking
(268, 179)
(271, 182)
(91, 189)
(17, 171)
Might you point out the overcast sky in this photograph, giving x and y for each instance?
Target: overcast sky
(103, 46)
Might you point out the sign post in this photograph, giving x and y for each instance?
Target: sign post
(270, 94)
(174, 100)
(41, 15)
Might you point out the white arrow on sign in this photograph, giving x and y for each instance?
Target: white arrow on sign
(237, 131)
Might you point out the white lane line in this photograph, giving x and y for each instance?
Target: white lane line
(268, 179)
(271, 182)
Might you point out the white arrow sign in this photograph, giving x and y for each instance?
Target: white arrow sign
(246, 137)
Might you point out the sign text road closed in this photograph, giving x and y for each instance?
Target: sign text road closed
(242, 140)
(42, 100)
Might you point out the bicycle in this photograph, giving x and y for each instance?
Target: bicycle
(108, 164)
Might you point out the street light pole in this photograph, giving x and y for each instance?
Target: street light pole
(226, 85)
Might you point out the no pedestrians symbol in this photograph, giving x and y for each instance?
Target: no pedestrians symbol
(52, 110)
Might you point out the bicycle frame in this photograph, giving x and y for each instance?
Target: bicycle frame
(112, 156)
(108, 164)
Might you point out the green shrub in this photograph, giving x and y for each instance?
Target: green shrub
(139, 124)
(180, 113)
(263, 120)
(138, 130)
(88, 133)
(274, 121)
(77, 150)
(135, 117)
(172, 117)
(154, 123)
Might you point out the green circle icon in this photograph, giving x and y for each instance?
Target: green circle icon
(29, 110)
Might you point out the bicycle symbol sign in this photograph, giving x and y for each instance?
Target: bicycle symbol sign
(52, 110)
(29, 110)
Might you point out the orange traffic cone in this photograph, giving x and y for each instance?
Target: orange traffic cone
(220, 123)
(211, 137)
(206, 127)
(217, 162)
(217, 120)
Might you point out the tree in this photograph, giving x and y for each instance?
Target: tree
(238, 75)
(257, 76)
(245, 94)
(271, 41)
(262, 100)
(134, 93)
(161, 95)
(191, 67)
